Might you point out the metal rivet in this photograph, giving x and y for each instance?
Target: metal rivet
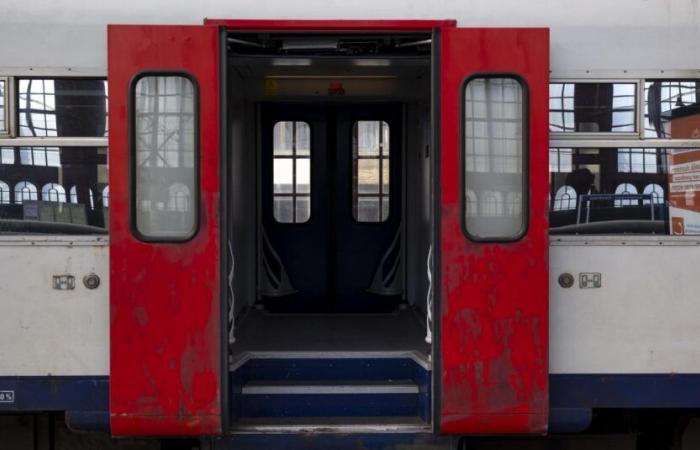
(566, 280)
(91, 281)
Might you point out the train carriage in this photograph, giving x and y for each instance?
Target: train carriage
(392, 230)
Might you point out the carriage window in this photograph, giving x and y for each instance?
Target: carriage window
(370, 171)
(291, 172)
(626, 191)
(672, 109)
(48, 190)
(62, 107)
(165, 148)
(592, 107)
(494, 159)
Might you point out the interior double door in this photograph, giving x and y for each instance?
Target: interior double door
(331, 208)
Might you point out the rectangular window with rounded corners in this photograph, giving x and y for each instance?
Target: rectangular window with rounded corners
(592, 107)
(291, 172)
(672, 109)
(164, 158)
(62, 107)
(494, 158)
(370, 171)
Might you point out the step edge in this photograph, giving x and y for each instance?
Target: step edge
(339, 389)
(418, 357)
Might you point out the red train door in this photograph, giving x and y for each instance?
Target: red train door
(166, 353)
(493, 231)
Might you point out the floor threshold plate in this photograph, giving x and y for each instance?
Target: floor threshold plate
(331, 425)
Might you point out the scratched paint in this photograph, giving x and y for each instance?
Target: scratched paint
(494, 297)
(164, 300)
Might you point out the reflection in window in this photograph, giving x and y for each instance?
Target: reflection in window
(564, 199)
(672, 109)
(62, 107)
(105, 197)
(370, 163)
(53, 192)
(61, 183)
(4, 193)
(471, 203)
(24, 190)
(291, 172)
(592, 107)
(40, 156)
(178, 197)
(3, 111)
(165, 154)
(622, 190)
(560, 159)
(7, 155)
(73, 195)
(494, 157)
(637, 160)
(657, 193)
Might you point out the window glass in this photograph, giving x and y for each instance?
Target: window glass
(48, 189)
(592, 107)
(626, 191)
(370, 171)
(291, 172)
(165, 148)
(672, 109)
(72, 107)
(3, 103)
(494, 159)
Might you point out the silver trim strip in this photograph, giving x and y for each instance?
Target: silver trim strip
(54, 142)
(54, 240)
(625, 240)
(269, 388)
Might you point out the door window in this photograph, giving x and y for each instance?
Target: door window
(370, 166)
(291, 172)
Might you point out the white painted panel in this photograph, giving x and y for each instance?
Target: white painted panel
(593, 34)
(50, 332)
(644, 319)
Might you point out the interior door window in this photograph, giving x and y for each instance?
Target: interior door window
(291, 172)
(370, 165)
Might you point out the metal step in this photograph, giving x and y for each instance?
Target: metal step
(330, 387)
(387, 424)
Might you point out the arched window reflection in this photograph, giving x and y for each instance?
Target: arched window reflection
(564, 199)
(657, 193)
(471, 203)
(4, 193)
(105, 197)
(24, 190)
(179, 197)
(53, 192)
(491, 203)
(514, 204)
(73, 194)
(623, 189)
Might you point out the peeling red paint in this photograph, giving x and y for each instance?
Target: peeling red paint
(494, 297)
(164, 298)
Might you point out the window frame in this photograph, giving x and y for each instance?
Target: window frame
(294, 157)
(638, 125)
(612, 141)
(8, 108)
(525, 157)
(131, 139)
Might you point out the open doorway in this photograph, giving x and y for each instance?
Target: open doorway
(330, 190)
